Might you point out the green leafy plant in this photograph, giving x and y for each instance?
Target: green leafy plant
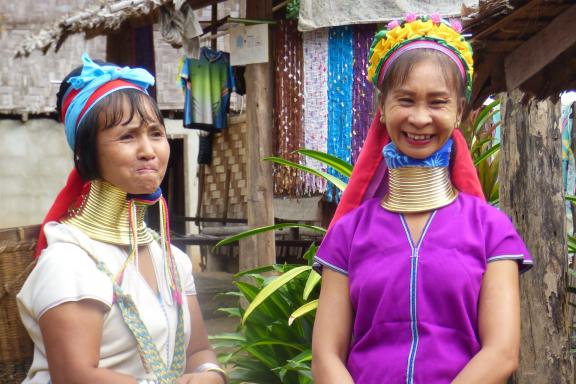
(478, 129)
(273, 341)
(293, 9)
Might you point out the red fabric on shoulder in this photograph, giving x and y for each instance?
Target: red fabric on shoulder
(68, 195)
(364, 169)
(463, 173)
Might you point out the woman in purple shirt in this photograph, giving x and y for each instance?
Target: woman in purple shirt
(420, 281)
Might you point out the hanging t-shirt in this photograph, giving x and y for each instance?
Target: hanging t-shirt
(207, 83)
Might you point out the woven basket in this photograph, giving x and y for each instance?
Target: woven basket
(17, 247)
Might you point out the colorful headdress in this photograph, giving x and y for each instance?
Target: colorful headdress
(370, 176)
(420, 32)
(92, 85)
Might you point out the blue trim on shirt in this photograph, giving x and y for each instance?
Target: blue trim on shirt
(413, 291)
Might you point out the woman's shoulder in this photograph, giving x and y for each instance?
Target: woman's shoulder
(480, 206)
(359, 212)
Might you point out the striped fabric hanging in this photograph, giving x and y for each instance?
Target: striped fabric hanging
(340, 80)
(315, 51)
(363, 104)
(288, 106)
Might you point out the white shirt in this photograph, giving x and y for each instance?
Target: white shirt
(65, 273)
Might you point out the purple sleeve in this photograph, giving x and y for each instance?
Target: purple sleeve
(504, 243)
(335, 248)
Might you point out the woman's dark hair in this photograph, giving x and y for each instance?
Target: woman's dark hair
(400, 69)
(107, 113)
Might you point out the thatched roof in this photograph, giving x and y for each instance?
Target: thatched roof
(529, 44)
(101, 18)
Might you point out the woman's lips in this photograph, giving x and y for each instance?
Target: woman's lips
(147, 170)
(417, 139)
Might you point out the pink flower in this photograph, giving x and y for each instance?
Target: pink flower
(435, 17)
(410, 17)
(393, 24)
(456, 25)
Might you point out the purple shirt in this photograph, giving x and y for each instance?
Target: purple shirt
(416, 305)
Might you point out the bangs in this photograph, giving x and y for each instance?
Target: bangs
(400, 69)
(111, 110)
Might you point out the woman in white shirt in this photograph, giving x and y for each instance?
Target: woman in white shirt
(110, 300)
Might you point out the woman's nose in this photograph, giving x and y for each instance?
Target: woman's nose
(420, 117)
(146, 148)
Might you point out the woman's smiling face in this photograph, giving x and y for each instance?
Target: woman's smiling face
(133, 155)
(421, 113)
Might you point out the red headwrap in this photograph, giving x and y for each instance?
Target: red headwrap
(369, 170)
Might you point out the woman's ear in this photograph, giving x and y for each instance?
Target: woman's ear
(381, 107)
(460, 112)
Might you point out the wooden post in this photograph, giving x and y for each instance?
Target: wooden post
(531, 192)
(259, 250)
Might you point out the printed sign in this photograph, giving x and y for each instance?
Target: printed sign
(249, 44)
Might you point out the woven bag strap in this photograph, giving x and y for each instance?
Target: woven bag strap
(147, 349)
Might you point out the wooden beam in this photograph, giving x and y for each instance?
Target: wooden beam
(259, 250)
(505, 20)
(541, 49)
(198, 4)
(214, 26)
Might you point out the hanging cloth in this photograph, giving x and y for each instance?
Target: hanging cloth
(363, 103)
(315, 104)
(340, 80)
(288, 87)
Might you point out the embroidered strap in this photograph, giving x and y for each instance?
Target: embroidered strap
(147, 349)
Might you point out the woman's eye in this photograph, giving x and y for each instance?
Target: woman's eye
(157, 133)
(126, 137)
(439, 102)
(405, 100)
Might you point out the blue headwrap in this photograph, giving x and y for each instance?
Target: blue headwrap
(93, 76)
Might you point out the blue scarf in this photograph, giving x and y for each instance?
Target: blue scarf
(396, 159)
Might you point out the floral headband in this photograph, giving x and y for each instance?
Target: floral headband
(420, 32)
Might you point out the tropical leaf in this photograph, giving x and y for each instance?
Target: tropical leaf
(495, 148)
(333, 179)
(313, 280)
(339, 165)
(486, 113)
(308, 307)
(255, 231)
(267, 291)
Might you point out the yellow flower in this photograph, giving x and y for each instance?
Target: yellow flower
(414, 30)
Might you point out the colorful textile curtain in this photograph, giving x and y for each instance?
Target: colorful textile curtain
(340, 81)
(363, 104)
(288, 105)
(315, 104)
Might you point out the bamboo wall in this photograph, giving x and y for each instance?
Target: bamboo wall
(229, 156)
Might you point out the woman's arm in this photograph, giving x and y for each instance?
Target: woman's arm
(199, 349)
(332, 331)
(72, 334)
(498, 325)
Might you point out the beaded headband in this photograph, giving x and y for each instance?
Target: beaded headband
(420, 32)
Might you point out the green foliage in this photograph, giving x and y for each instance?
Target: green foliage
(267, 348)
(478, 130)
(293, 9)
